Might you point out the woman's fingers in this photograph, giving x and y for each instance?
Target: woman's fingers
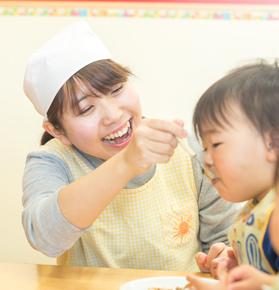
(166, 126)
(153, 142)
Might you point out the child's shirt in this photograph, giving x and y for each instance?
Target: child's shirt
(158, 225)
(249, 235)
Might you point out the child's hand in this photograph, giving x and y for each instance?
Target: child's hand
(218, 252)
(249, 278)
(153, 142)
(200, 260)
(242, 277)
(202, 285)
(229, 261)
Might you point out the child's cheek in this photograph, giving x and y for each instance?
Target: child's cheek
(223, 165)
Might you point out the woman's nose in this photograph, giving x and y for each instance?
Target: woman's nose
(111, 113)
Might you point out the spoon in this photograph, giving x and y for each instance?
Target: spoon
(192, 153)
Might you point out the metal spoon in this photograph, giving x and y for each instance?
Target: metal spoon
(192, 153)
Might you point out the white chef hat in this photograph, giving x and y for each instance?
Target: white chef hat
(54, 63)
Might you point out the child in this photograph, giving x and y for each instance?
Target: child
(246, 276)
(238, 120)
(108, 188)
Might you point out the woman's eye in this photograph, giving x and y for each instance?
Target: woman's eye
(86, 110)
(117, 90)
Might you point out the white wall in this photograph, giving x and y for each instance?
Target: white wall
(175, 61)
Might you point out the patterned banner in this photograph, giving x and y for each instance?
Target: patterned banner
(137, 13)
(239, 2)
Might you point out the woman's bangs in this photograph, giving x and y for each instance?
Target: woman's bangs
(97, 77)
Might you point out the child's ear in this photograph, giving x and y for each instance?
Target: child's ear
(272, 144)
(56, 133)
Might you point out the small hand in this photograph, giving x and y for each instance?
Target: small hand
(228, 260)
(249, 278)
(199, 284)
(200, 260)
(204, 261)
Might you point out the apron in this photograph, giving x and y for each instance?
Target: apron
(155, 226)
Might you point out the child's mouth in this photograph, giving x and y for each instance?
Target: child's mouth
(214, 181)
(120, 136)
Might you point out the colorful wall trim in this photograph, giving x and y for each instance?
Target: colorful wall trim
(137, 13)
(239, 2)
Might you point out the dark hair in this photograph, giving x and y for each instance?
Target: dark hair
(254, 88)
(101, 75)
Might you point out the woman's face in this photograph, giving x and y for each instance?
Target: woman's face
(105, 123)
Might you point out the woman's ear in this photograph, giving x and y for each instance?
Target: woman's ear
(58, 134)
(272, 145)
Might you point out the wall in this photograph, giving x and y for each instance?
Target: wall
(175, 60)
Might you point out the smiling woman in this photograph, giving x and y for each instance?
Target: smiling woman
(108, 188)
(92, 98)
(85, 85)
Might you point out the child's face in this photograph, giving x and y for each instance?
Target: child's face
(239, 156)
(102, 117)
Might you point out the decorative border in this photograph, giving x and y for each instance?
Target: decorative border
(137, 13)
(239, 2)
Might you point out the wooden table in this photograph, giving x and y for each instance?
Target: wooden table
(42, 277)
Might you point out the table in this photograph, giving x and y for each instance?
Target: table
(41, 277)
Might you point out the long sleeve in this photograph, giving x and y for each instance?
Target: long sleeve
(215, 214)
(45, 227)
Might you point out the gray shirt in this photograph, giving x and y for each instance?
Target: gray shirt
(50, 233)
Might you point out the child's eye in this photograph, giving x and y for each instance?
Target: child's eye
(117, 90)
(204, 150)
(86, 110)
(216, 145)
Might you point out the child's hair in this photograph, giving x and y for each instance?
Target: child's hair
(254, 88)
(98, 76)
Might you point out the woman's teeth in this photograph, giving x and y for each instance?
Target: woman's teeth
(120, 133)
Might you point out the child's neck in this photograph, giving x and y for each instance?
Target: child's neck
(259, 197)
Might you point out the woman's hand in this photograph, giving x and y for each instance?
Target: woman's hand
(218, 253)
(153, 141)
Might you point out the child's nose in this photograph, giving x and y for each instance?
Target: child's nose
(208, 162)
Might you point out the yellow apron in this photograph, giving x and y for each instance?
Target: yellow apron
(155, 226)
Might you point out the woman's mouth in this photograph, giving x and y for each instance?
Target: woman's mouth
(119, 136)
